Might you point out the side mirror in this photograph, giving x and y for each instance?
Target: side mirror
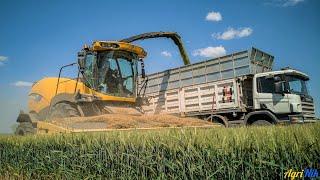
(278, 87)
(143, 72)
(82, 60)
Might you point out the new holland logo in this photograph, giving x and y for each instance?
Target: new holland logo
(306, 173)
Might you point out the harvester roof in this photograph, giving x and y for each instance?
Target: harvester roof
(115, 45)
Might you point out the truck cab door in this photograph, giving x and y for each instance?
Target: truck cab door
(271, 95)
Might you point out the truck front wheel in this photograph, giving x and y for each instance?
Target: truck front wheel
(261, 123)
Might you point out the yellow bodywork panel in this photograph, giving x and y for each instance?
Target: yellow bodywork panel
(45, 90)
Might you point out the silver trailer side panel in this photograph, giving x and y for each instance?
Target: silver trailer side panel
(195, 99)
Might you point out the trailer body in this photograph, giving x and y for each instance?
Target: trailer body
(207, 86)
(220, 88)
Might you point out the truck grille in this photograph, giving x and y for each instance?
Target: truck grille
(308, 110)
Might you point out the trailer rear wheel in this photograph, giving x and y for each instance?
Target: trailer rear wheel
(218, 119)
(25, 128)
(261, 123)
(63, 110)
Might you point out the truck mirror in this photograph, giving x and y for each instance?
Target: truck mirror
(143, 72)
(278, 87)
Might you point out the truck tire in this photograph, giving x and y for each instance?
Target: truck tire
(218, 119)
(25, 128)
(261, 123)
(63, 110)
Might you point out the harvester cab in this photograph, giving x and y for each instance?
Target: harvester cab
(111, 67)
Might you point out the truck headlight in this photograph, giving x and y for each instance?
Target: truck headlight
(296, 107)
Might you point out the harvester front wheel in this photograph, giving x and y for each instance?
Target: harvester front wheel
(25, 128)
(63, 110)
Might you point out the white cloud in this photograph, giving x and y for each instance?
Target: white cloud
(231, 33)
(287, 3)
(166, 54)
(3, 59)
(210, 52)
(22, 84)
(283, 3)
(214, 16)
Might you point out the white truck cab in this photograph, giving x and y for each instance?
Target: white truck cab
(285, 94)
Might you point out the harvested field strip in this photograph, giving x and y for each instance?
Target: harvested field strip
(123, 121)
(218, 153)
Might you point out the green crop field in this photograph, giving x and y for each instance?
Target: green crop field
(216, 153)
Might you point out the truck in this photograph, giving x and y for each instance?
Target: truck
(237, 89)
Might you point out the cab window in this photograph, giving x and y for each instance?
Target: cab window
(266, 85)
(89, 69)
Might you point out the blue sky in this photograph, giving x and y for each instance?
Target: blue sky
(37, 37)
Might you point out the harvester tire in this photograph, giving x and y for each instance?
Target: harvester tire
(261, 123)
(63, 110)
(25, 128)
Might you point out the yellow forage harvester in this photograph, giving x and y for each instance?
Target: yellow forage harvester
(105, 94)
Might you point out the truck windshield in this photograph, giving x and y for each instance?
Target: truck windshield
(297, 85)
(112, 72)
